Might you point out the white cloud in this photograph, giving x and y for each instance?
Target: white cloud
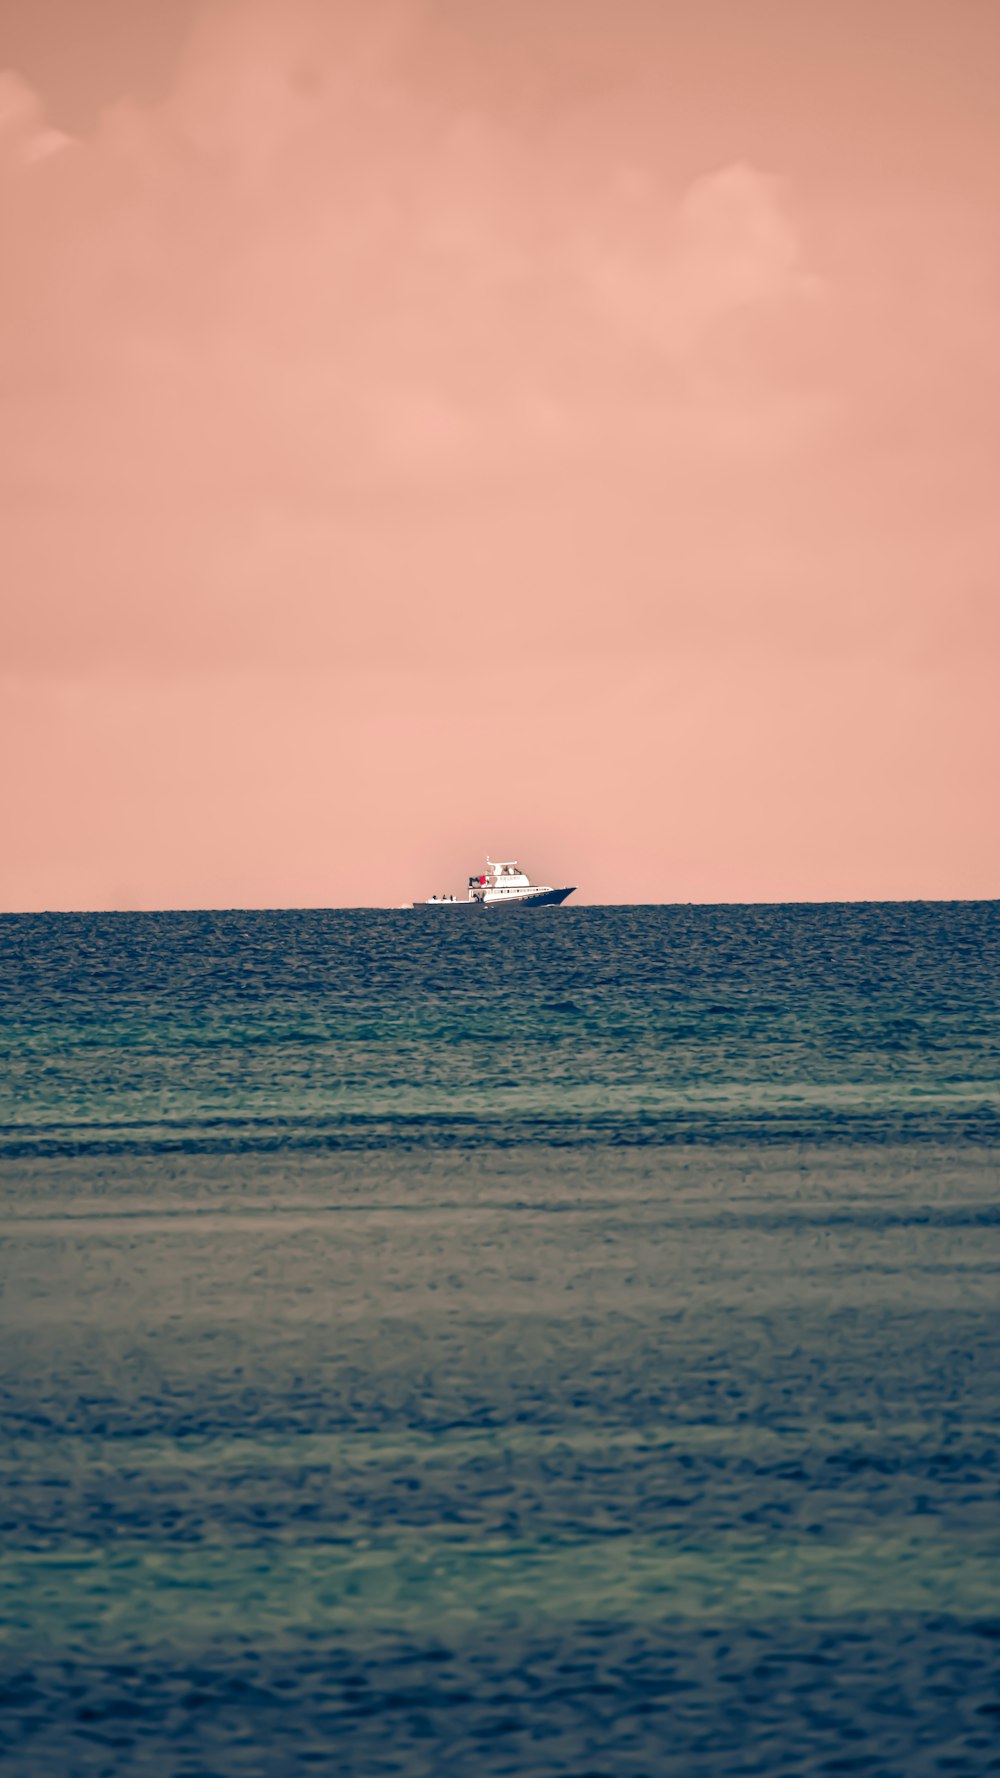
(669, 273)
(24, 135)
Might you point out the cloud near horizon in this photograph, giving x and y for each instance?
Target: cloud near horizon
(372, 350)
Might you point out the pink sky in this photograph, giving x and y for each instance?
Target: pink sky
(564, 427)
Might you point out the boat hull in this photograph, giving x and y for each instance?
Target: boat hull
(544, 898)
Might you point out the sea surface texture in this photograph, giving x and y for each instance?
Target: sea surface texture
(456, 1343)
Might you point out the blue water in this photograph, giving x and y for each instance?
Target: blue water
(556, 1342)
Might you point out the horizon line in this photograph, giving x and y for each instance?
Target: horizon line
(413, 907)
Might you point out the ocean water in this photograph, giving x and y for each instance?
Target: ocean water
(556, 1342)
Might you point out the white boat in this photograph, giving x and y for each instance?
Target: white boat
(502, 884)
